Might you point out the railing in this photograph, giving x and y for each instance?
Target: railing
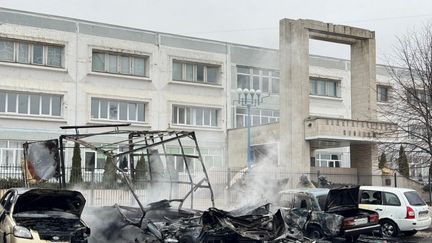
(231, 187)
(346, 129)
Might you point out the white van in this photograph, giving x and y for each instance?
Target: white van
(400, 210)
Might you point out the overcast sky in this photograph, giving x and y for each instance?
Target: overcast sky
(250, 22)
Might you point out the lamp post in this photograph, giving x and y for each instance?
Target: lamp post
(249, 98)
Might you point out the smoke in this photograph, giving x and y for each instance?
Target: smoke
(107, 224)
(260, 185)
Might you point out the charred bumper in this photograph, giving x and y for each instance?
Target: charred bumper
(362, 230)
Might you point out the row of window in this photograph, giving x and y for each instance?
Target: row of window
(11, 153)
(102, 109)
(268, 82)
(103, 61)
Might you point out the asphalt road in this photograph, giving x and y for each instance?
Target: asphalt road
(421, 236)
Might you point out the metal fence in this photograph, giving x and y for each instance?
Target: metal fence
(229, 186)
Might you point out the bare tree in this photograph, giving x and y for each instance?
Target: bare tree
(410, 100)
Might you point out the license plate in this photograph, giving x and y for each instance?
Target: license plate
(360, 221)
(423, 214)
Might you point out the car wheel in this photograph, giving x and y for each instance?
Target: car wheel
(410, 233)
(352, 238)
(314, 232)
(389, 228)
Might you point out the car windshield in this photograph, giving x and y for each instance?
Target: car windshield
(414, 199)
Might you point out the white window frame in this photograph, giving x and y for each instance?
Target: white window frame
(327, 91)
(271, 119)
(30, 54)
(119, 55)
(195, 72)
(28, 113)
(321, 162)
(387, 90)
(16, 166)
(211, 153)
(193, 110)
(270, 74)
(128, 103)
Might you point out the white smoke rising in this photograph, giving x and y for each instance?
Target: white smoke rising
(262, 184)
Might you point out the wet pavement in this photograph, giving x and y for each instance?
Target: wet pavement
(421, 236)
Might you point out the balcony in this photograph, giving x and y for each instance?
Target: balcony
(346, 130)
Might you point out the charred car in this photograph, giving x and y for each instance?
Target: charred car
(330, 213)
(164, 223)
(42, 215)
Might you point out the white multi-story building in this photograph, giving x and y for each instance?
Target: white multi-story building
(58, 71)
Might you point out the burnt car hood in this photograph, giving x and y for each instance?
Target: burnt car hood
(344, 197)
(50, 200)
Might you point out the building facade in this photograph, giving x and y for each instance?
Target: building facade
(59, 71)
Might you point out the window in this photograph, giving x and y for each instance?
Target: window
(252, 78)
(391, 199)
(31, 53)
(90, 161)
(195, 116)
(414, 199)
(11, 153)
(212, 158)
(117, 110)
(119, 63)
(382, 93)
(327, 160)
(324, 87)
(371, 197)
(419, 96)
(258, 117)
(30, 103)
(195, 72)
(95, 161)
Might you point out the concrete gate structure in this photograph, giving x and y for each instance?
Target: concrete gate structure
(295, 89)
(298, 133)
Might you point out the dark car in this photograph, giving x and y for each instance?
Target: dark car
(330, 213)
(42, 215)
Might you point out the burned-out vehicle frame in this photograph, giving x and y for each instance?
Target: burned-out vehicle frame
(149, 146)
(330, 213)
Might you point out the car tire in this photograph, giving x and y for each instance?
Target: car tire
(389, 228)
(187, 239)
(351, 238)
(314, 232)
(410, 233)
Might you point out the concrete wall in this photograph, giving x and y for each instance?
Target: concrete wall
(237, 142)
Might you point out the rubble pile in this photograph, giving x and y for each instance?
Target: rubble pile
(164, 223)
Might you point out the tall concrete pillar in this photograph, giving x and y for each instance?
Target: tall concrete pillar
(363, 106)
(294, 95)
(364, 157)
(363, 80)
